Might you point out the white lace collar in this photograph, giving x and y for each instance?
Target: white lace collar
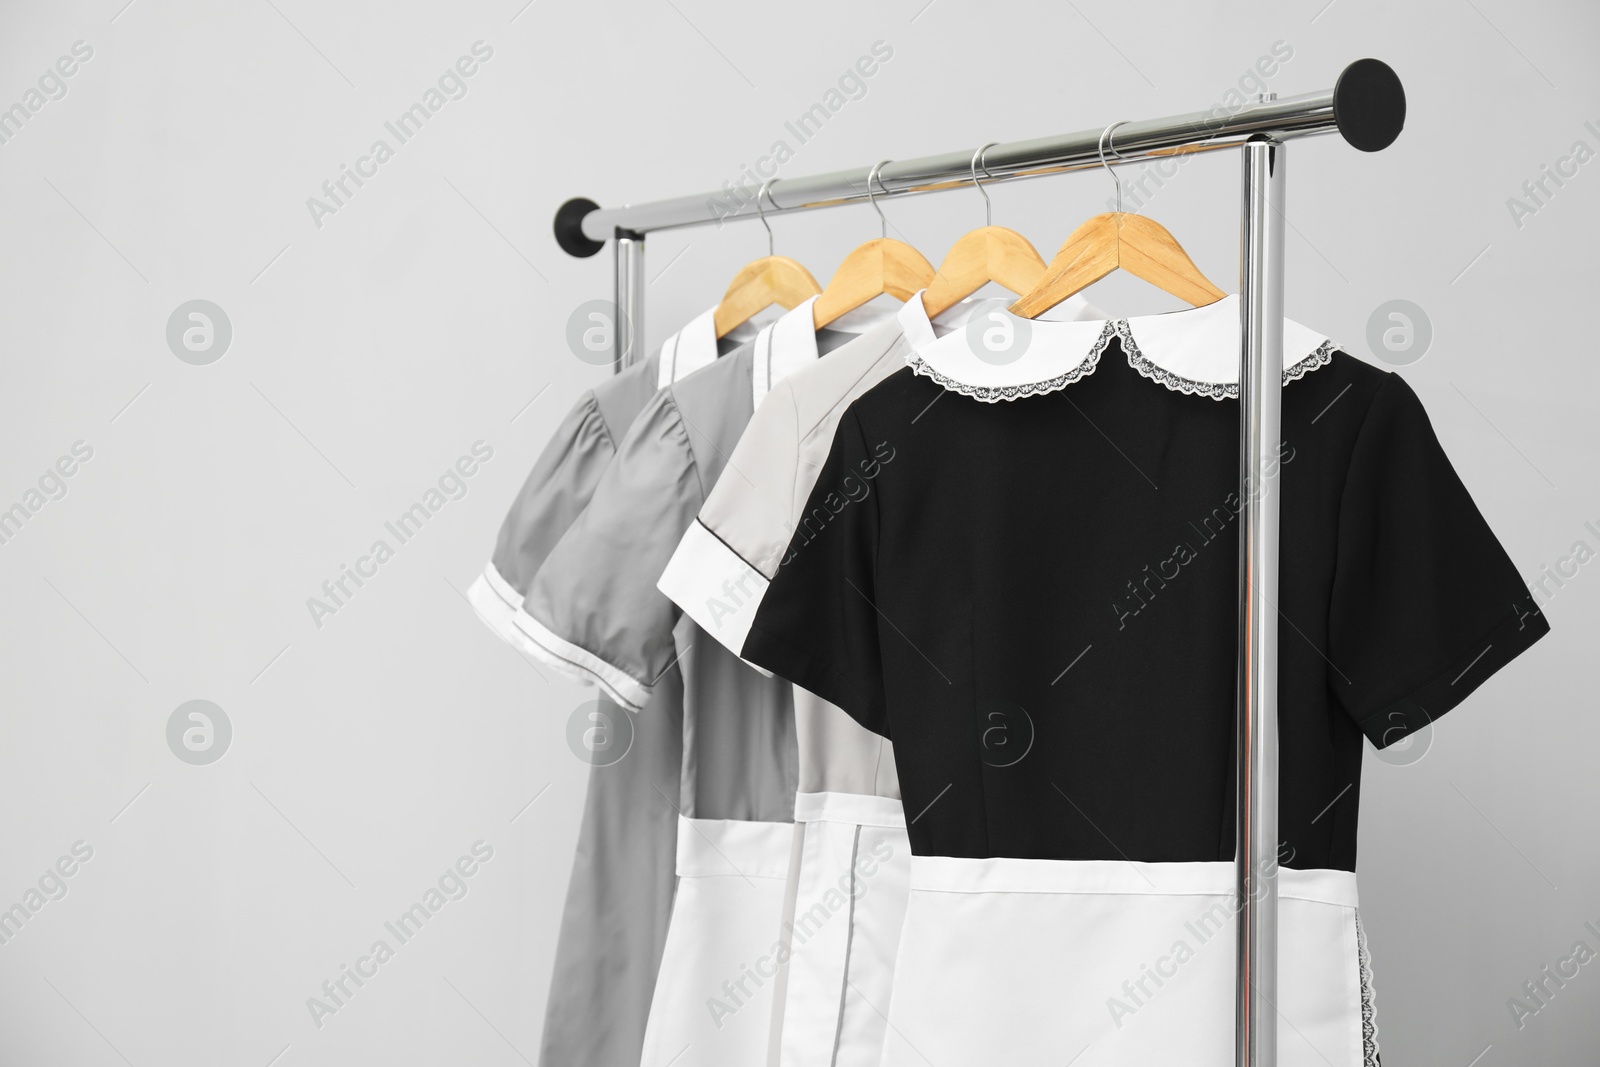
(694, 347)
(790, 343)
(999, 356)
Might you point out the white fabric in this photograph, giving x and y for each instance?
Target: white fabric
(496, 602)
(714, 586)
(1112, 964)
(713, 997)
(848, 910)
(693, 347)
(577, 663)
(1197, 345)
(790, 343)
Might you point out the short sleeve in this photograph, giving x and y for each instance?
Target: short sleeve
(593, 610)
(721, 569)
(817, 626)
(1426, 605)
(556, 491)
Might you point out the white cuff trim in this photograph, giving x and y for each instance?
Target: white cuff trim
(714, 586)
(496, 602)
(578, 663)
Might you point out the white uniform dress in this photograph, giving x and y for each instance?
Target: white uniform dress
(848, 885)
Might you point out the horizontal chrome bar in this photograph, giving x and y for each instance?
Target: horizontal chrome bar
(1367, 106)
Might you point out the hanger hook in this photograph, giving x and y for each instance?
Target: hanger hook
(1104, 134)
(872, 176)
(977, 161)
(761, 212)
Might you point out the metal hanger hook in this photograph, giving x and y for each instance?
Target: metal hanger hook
(872, 176)
(977, 162)
(761, 212)
(1104, 135)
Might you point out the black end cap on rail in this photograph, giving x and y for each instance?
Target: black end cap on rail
(1369, 105)
(569, 228)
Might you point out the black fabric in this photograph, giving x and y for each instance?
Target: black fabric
(1037, 600)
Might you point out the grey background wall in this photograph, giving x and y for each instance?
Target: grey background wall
(372, 346)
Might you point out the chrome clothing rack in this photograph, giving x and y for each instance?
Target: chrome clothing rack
(1366, 106)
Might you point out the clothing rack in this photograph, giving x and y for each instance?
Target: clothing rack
(1366, 106)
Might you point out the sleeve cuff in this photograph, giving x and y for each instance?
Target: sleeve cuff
(496, 602)
(715, 587)
(577, 663)
(1465, 673)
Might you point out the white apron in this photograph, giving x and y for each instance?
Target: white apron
(1116, 964)
(842, 929)
(713, 996)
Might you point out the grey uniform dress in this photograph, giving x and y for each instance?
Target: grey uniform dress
(594, 611)
(619, 896)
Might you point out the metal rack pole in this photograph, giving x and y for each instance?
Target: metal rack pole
(628, 266)
(1261, 227)
(1367, 107)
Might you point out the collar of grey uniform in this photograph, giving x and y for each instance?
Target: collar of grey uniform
(790, 343)
(694, 347)
(1000, 356)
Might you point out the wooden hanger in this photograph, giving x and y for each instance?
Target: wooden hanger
(989, 254)
(1118, 240)
(763, 282)
(882, 265)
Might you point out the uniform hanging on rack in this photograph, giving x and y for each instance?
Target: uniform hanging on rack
(614, 922)
(1035, 602)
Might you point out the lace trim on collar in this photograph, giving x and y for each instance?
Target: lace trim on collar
(1215, 390)
(991, 394)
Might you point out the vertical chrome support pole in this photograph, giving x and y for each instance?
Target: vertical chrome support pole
(629, 263)
(1260, 429)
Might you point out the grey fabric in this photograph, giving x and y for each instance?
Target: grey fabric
(597, 592)
(619, 893)
(619, 897)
